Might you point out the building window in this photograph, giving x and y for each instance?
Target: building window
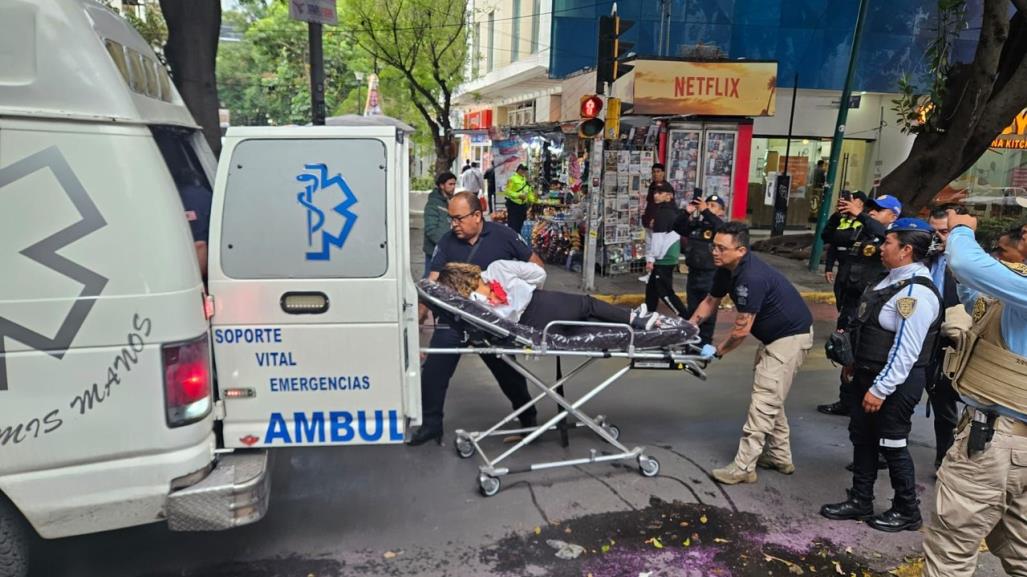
(476, 61)
(536, 9)
(492, 42)
(515, 38)
(521, 114)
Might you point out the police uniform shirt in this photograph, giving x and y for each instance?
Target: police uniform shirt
(909, 314)
(197, 200)
(981, 275)
(496, 242)
(758, 289)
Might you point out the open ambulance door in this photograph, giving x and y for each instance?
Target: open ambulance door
(315, 319)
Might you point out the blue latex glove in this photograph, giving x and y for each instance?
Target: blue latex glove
(708, 351)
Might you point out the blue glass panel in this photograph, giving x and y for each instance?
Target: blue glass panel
(757, 13)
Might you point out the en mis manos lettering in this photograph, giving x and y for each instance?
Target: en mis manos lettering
(45, 252)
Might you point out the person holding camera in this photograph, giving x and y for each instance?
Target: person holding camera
(859, 265)
(892, 343)
(698, 225)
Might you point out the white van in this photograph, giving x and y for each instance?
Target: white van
(106, 392)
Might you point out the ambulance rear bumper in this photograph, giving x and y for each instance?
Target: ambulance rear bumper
(235, 493)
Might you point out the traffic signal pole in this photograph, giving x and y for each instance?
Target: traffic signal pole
(837, 141)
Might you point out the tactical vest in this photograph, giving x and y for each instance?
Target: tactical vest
(843, 236)
(982, 368)
(699, 248)
(872, 342)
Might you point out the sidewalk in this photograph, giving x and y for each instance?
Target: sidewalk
(627, 290)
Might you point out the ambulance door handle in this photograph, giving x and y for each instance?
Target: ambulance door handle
(305, 303)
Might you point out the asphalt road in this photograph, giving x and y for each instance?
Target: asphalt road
(396, 510)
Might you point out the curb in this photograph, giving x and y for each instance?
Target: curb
(636, 299)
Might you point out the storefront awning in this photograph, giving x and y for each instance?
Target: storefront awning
(522, 80)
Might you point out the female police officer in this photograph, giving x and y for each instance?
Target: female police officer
(894, 335)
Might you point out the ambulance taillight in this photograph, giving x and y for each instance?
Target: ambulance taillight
(187, 381)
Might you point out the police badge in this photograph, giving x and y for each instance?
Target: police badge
(707, 234)
(980, 307)
(905, 306)
(869, 250)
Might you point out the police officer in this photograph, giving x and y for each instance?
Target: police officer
(698, 225)
(894, 334)
(982, 483)
(474, 241)
(519, 195)
(859, 267)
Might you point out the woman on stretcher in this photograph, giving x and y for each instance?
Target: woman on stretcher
(513, 290)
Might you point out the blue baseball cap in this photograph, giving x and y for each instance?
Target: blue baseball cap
(910, 223)
(886, 202)
(717, 199)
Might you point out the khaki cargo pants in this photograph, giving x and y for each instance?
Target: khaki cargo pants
(984, 497)
(767, 425)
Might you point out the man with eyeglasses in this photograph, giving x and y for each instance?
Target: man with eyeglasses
(942, 396)
(470, 240)
(769, 308)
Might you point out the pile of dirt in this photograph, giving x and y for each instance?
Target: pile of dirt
(794, 246)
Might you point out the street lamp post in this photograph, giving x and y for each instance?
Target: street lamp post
(360, 91)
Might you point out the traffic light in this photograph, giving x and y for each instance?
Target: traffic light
(591, 125)
(612, 51)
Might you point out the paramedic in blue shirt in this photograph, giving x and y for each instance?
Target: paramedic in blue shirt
(982, 489)
(894, 333)
(474, 241)
(771, 310)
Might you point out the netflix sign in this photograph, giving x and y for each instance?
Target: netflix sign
(664, 87)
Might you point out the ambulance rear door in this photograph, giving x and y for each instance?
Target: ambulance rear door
(313, 304)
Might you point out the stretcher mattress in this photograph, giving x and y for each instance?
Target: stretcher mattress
(674, 333)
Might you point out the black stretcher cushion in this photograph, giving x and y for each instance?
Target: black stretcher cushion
(673, 332)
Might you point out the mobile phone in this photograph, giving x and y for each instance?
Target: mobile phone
(846, 195)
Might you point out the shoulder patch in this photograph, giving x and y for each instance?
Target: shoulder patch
(1017, 267)
(742, 292)
(905, 306)
(980, 307)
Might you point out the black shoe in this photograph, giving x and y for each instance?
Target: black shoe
(894, 520)
(424, 434)
(528, 421)
(836, 408)
(853, 508)
(881, 465)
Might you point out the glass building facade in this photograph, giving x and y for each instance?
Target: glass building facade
(808, 37)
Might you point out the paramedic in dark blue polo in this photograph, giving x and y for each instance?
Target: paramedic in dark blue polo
(771, 310)
(474, 241)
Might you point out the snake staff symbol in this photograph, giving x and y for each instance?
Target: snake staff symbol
(320, 183)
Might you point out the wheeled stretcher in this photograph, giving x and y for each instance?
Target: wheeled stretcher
(670, 346)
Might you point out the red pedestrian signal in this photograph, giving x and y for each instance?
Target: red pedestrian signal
(590, 106)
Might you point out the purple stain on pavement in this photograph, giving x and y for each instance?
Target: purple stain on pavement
(680, 539)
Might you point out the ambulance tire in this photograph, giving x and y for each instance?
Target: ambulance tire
(14, 542)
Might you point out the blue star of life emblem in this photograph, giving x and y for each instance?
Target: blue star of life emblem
(319, 189)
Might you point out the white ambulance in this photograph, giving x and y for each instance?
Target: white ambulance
(107, 397)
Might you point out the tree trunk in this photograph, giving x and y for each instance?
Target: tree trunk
(976, 109)
(444, 152)
(191, 50)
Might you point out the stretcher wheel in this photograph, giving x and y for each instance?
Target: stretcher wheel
(614, 431)
(648, 466)
(488, 485)
(464, 448)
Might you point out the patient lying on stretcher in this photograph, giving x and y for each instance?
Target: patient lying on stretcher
(513, 290)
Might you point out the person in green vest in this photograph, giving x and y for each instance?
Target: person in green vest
(519, 195)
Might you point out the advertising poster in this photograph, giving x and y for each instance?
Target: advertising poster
(506, 155)
(683, 162)
(719, 163)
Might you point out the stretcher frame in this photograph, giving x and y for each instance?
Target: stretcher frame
(468, 443)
